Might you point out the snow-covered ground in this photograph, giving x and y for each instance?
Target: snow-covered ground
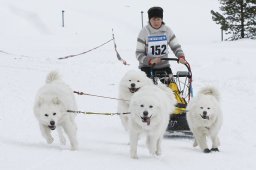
(32, 39)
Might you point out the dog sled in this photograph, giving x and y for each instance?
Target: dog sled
(181, 85)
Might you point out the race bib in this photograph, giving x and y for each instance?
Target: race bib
(157, 45)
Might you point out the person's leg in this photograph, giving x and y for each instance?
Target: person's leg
(147, 70)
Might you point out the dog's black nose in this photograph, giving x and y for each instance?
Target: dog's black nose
(204, 113)
(145, 113)
(52, 123)
(133, 85)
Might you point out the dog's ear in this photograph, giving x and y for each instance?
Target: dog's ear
(56, 100)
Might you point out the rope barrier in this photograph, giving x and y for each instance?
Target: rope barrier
(1, 51)
(117, 54)
(73, 55)
(8, 53)
(115, 47)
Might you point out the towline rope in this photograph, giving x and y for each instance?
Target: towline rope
(97, 113)
(82, 93)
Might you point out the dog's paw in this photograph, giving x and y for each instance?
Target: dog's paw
(134, 156)
(49, 140)
(207, 150)
(215, 149)
(195, 144)
(74, 147)
(63, 141)
(152, 152)
(158, 152)
(159, 157)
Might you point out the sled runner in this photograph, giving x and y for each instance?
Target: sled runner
(181, 85)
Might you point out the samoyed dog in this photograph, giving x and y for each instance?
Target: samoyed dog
(50, 108)
(131, 82)
(205, 118)
(150, 109)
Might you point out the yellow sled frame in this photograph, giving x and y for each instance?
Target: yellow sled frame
(180, 100)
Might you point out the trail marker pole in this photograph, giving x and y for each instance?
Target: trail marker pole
(141, 19)
(63, 18)
(222, 34)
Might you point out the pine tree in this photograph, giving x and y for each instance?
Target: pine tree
(238, 19)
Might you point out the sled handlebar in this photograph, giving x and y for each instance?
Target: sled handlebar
(170, 59)
(176, 59)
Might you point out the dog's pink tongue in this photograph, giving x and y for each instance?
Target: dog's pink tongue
(148, 121)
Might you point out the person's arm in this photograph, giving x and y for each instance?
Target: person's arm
(141, 47)
(176, 47)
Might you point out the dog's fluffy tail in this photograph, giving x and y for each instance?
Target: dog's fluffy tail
(210, 90)
(52, 76)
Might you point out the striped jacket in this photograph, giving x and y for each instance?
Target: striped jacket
(144, 39)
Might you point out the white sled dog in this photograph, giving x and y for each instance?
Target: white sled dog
(205, 118)
(131, 82)
(50, 108)
(150, 109)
